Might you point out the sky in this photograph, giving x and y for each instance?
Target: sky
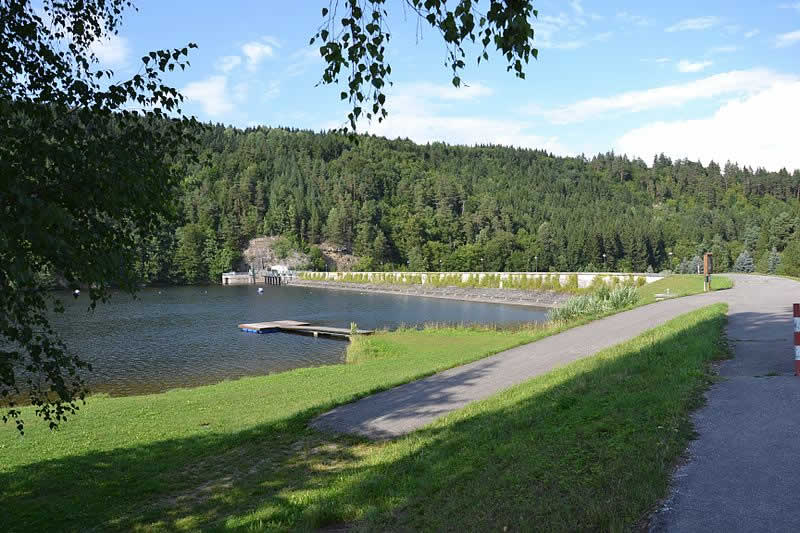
(703, 79)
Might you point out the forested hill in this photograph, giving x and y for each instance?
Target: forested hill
(430, 207)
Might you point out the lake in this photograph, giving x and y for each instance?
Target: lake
(187, 336)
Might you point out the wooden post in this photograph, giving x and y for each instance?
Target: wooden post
(708, 267)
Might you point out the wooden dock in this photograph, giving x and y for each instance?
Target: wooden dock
(302, 328)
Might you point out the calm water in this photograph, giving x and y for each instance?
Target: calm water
(186, 336)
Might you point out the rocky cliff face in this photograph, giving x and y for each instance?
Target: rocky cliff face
(263, 252)
(337, 258)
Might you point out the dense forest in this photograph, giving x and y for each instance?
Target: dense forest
(399, 205)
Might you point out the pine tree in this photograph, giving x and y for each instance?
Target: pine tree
(744, 263)
(773, 261)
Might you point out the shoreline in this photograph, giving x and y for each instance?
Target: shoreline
(541, 299)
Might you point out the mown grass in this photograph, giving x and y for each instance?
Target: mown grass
(588, 446)
(681, 285)
(448, 344)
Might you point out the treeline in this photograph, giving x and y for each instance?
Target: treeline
(399, 205)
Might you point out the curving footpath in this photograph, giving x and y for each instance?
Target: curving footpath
(743, 471)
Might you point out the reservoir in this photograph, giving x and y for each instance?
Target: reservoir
(187, 336)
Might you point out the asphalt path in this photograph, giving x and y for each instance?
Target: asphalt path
(742, 473)
(403, 409)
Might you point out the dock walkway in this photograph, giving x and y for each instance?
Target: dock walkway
(302, 328)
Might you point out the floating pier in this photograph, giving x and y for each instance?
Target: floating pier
(302, 328)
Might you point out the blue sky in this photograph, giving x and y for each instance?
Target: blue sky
(699, 79)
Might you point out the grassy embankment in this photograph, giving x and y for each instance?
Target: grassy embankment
(545, 282)
(588, 446)
(677, 284)
(681, 285)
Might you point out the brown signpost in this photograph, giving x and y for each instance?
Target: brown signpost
(708, 267)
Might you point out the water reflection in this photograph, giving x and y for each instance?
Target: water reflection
(187, 336)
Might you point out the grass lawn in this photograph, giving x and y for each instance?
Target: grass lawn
(588, 446)
(682, 285)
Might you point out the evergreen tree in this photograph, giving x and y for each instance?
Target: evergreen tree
(316, 260)
(744, 263)
(790, 260)
(781, 229)
(190, 255)
(719, 248)
(516, 209)
(773, 261)
(751, 235)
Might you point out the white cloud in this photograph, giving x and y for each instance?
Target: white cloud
(428, 90)
(303, 59)
(658, 60)
(787, 39)
(228, 63)
(111, 51)
(737, 81)
(636, 20)
(756, 130)
(256, 52)
(550, 30)
(699, 23)
(424, 112)
(271, 40)
(211, 94)
(240, 91)
(685, 65)
(795, 5)
(726, 49)
(577, 7)
(273, 90)
(752, 33)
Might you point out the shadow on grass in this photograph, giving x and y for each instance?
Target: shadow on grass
(589, 446)
(427, 399)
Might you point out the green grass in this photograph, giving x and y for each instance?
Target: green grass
(538, 282)
(588, 446)
(682, 285)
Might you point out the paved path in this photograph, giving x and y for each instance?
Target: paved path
(743, 471)
(408, 407)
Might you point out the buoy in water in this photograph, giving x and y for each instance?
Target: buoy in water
(76, 293)
(260, 290)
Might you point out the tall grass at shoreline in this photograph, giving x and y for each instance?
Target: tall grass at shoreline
(603, 300)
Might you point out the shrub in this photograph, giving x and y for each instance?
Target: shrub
(572, 282)
(622, 297)
(744, 263)
(600, 301)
